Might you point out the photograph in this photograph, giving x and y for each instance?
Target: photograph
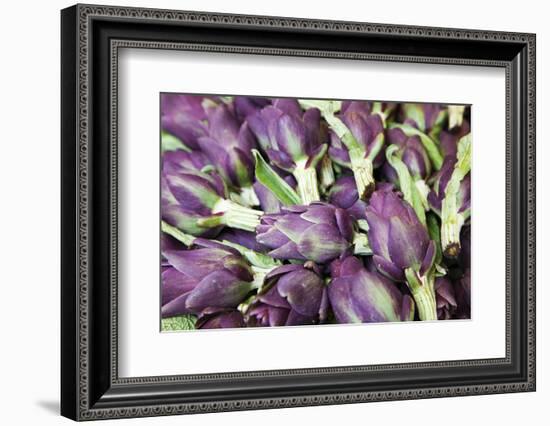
(279, 211)
(267, 207)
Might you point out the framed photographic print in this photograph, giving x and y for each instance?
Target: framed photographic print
(264, 212)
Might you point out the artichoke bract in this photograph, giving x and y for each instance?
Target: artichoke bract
(357, 295)
(212, 275)
(291, 139)
(402, 248)
(177, 161)
(319, 232)
(344, 194)
(196, 203)
(293, 295)
(229, 146)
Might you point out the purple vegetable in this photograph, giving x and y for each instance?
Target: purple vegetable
(293, 295)
(319, 232)
(228, 146)
(411, 152)
(344, 194)
(196, 203)
(211, 275)
(359, 148)
(182, 116)
(291, 140)
(358, 295)
(425, 117)
(398, 239)
(402, 248)
(364, 126)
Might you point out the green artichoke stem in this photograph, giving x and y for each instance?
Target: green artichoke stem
(327, 173)
(308, 189)
(246, 197)
(423, 292)
(236, 216)
(451, 219)
(450, 231)
(362, 172)
(259, 260)
(176, 233)
(259, 276)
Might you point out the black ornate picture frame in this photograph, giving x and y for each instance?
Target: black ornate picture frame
(90, 39)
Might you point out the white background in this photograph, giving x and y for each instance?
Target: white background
(29, 225)
(141, 345)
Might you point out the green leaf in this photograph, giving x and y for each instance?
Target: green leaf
(429, 144)
(169, 142)
(275, 183)
(183, 322)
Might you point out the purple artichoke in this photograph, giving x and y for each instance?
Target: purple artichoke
(344, 194)
(359, 146)
(196, 203)
(210, 276)
(229, 147)
(319, 232)
(220, 318)
(292, 295)
(412, 154)
(358, 295)
(398, 239)
(291, 140)
(402, 248)
(182, 116)
(425, 117)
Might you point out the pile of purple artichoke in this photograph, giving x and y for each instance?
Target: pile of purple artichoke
(294, 211)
